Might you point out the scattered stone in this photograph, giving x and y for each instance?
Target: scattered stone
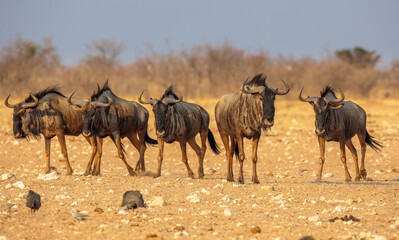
(227, 198)
(227, 212)
(307, 238)
(256, 229)
(33, 201)
(157, 201)
(132, 200)
(211, 170)
(314, 218)
(98, 210)
(396, 179)
(205, 191)
(194, 198)
(152, 235)
(7, 176)
(74, 203)
(19, 184)
(178, 228)
(270, 188)
(327, 175)
(49, 176)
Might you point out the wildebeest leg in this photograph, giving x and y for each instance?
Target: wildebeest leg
(241, 157)
(343, 160)
(183, 146)
(93, 144)
(255, 141)
(352, 148)
(97, 164)
(160, 156)
(362, 139)
(140, 146)
(322, 147)
(121, 155)
(197, 150)
(47, 144)
(233, 144)
(225, 140)
(61, 139)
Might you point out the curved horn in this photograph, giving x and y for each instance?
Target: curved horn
(76, 103)
(97, 104)
(308, 99)
(337, 100)
(150, 101)
(246, 89)
(170, 100)
(9, 105)
(31, 104)
(282, 93)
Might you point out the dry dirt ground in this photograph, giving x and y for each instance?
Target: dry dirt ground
(287, 204)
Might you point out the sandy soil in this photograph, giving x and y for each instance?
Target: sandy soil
(287, 204)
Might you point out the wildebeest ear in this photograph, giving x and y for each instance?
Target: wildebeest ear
(335, 105)
(75, 107)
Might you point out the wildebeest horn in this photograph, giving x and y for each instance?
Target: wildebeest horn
(308, 99)
(97, 104)
(170, 100)
(282, 93)
(151, 101)
(76, 103)
(9, 105)
(246, 89)
(336, 100)
(31, 104)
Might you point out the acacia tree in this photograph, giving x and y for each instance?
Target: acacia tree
(358, 57)
(104, 53)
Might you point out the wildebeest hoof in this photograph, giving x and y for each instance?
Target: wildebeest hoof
(348, 179)
(357, 178)
(47, 171)
(133, 174)
(230, 179)
(255, 181)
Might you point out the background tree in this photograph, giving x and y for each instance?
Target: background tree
(358, 57)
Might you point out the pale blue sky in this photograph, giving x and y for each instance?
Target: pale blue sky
(293, 28)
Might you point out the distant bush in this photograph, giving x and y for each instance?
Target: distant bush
(200, 71)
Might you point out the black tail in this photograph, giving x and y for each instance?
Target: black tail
(122, 145)
(374, 144)
(236, 152)
(215, 148)
(149, 140)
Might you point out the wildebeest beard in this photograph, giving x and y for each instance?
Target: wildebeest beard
(31, 124)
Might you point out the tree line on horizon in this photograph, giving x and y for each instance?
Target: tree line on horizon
(200, 71)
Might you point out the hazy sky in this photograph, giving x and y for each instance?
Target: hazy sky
(293, 28)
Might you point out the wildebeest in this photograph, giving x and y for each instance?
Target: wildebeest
(47, 112)
(33, 201)
(246, 114)
(338, 120)
(105, 115)
(177, 120)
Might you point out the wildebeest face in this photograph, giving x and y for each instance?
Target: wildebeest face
(88, 114)
(17, 122)
(267, 97)
(320, 108)
(160, 110)
(28, 125)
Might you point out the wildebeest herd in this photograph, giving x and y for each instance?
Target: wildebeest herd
(244, 114)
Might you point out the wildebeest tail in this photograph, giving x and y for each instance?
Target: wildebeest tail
(236, 152)
(374, 144)
(122, 146)
(215, 148)
(149, 140)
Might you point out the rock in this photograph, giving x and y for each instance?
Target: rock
(227, 212)
(211, 170)
(157, 201)
(19, 184)
(256, 229)
(327, 175)
(205, 191)
(194, 198)
(78, 215)
(227, 198)
(314, 218)
(152, 235)
(270, 188)
(49, 176)
(7, 176)
(98, 210)
(74, 203)
(396, 179)
(33, 201)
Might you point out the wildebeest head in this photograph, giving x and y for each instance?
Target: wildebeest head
(161, 107)
(264, 95)
(321, 106)
(88, 109)
(20, 113)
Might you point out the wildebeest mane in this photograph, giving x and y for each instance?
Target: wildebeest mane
(327, 89)
(39, 95)
(100, 91)
(258, 80)
(169, 92)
